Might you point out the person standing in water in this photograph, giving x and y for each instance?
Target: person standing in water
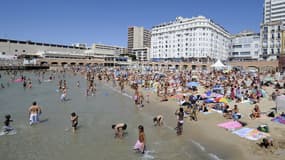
(140, 144)
(74, 121)
(34, 113)
(180, 117)
(7, 128)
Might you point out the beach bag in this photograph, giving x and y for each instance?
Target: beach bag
(271, 114)
(263, 128)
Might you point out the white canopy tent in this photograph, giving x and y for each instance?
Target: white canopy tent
(218, 65)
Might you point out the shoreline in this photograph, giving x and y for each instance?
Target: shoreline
(217, 142)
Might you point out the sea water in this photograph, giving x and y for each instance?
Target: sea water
(94, 139)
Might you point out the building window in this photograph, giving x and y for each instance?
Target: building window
(16, 50)
(3, 53)
(237, 46)
(24, 51)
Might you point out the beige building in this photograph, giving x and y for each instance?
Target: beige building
(138, 37)
(10, 47)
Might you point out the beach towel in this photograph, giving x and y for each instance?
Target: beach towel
(242, 132)
(230, 125)
(210, 100)
(250, 134)
(279, 119)
(255, 135)
(218, 111)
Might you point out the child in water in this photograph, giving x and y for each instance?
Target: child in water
(74, 121)
(7, 128)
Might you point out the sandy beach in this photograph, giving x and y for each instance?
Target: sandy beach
(226, 145)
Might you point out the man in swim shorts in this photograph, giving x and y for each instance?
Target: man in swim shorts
(119, 128)
(34, 113)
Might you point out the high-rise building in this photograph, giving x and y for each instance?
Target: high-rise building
(189, 38)
(274, 10)
(272, 28)
(245, 46)
(138, 37)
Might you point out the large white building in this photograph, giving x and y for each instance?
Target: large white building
(189, 38)
(245, 46)
(274, 10)
(272, 28)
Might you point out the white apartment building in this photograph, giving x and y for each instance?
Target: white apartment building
(245, 46)
(271, 29)
(274, 10)
(189, 38)
(271, 39)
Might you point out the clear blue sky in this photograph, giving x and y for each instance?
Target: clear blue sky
(106, 21)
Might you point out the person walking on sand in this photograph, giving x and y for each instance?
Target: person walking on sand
(34, 113)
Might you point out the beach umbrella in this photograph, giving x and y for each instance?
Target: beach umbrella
(217, 99)
(192, 84)
(223, 100)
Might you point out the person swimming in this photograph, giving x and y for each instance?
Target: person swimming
(7, 128)
(119, 128)
(74, 121)
(158, 120)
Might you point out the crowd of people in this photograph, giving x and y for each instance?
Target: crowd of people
(219, 89)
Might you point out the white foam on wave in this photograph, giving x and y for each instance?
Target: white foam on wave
(147, 155)
(198, 145)
(215, 157)
(10, 133)
(124, 94)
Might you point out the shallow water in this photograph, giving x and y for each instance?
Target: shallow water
(53, 139)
